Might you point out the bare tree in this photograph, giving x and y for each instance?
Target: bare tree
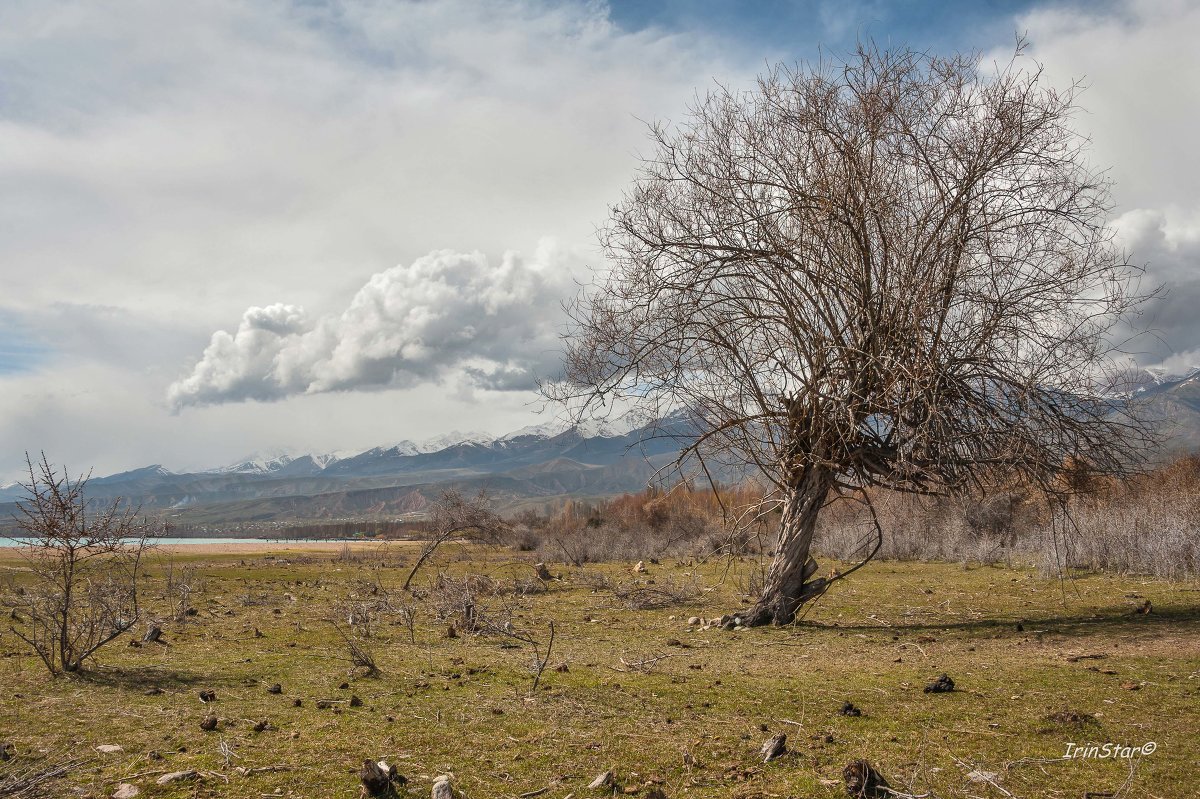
(456, 516)
(888, 272)
(86, 563)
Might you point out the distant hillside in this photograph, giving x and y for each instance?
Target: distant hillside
(534, 463)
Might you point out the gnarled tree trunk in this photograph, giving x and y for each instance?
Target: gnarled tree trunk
(788, 584)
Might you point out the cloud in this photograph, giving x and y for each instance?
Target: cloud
(445, 313)
(1168, 243)
(175, 164)
(1141, 108)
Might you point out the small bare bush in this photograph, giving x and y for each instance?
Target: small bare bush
(86, 564)
(645, 594)
(359, 649)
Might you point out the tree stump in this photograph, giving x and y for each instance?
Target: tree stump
(864, 782)
(775, 746)
(941, 685)
(603, 780)
(379, 779)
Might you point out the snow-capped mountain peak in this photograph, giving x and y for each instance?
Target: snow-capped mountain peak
(544, 430)
(258, 463)
(439, 443)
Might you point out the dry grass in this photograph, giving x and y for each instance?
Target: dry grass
(463, 704)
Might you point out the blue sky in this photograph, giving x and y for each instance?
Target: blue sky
(795, 28)
(243, 225)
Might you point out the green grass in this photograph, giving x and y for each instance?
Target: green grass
(464, 706)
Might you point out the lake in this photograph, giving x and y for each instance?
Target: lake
(174, 540)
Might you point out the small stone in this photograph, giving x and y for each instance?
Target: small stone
(355, 701)
(640, 567)
(694, 621)
(981, 776)
(848, 709)
(442, 788)
(275, 689)
(344, 686)
(209, 724)
(178, 776)
(110, 749)
(125, 791)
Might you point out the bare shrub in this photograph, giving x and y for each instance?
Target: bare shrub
(645, 594)
(86, 564)
(458, 599)
(182, 586)
(360, 651)
(456, 516)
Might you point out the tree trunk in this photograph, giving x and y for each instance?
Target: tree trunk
(788, 586)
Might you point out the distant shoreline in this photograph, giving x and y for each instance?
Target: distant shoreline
(210, 545)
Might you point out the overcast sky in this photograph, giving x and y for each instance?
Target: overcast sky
(324, 225)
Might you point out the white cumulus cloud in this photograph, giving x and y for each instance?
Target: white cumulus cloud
(445, 313)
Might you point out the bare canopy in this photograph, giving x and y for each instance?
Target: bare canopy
(892, 272)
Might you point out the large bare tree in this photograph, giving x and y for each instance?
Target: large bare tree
(891, 271)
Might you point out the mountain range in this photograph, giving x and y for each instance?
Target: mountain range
(533, 466)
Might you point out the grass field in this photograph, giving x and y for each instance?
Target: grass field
(632, 690)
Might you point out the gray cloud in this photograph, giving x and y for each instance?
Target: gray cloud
(1168, 244)
(497, 322)
(1141, 110)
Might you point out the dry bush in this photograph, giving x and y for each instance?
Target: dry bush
(1150, 525)
(645, 594)
(360, 650)
(458, 600)
(86, 565)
